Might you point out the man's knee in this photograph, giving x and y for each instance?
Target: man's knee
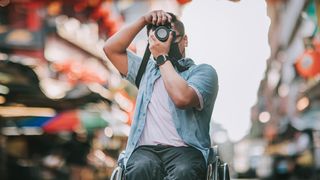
(143, 168)
(141, 164)
(188, 171)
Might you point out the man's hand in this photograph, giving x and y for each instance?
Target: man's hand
(158, 47)
(157, 17)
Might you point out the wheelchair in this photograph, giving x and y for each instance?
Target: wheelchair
(216, 168)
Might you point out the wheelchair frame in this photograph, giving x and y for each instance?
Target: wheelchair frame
(216, 169)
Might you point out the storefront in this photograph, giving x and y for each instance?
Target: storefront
(64, 110)
(286, 114)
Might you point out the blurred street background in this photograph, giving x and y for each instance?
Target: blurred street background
(65, 112)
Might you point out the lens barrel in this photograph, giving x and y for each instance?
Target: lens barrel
(162, 33)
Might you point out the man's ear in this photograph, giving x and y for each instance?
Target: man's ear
(185, 39)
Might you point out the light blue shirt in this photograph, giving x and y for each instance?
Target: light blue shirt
(192, 124)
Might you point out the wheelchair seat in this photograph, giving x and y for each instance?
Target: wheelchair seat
(216, 168)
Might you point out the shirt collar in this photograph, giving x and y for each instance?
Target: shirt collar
(187, 62)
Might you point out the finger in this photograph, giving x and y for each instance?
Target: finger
(150, 39)
(170, 37)
(150, 33)
(154, 18)
(164, 19)
(169, 17)
(159, 16)
(153, 37)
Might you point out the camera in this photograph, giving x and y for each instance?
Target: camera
(162, 32)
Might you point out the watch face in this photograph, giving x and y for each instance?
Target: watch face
(161, 59)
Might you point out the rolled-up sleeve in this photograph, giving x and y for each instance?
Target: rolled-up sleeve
(134, 62)
(199, 97)
(204, 80)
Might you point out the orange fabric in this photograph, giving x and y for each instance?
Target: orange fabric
(67, 121)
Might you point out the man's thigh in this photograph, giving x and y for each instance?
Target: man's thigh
(144, 163)
(184, 163)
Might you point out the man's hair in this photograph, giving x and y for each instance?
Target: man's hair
(176, 22)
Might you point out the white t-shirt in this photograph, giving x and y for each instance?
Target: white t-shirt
(159, 127)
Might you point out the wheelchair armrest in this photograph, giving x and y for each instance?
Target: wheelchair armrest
(215, 149)
(217, 169)
(213, 153)
(224, 172)
(121, 159)
(212, 166)
(117, 173)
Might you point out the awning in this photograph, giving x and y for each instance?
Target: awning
(65, 121)
(91, 120)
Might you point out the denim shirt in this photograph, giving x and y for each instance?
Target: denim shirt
(192, 124)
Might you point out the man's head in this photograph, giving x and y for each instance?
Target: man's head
(180, 39)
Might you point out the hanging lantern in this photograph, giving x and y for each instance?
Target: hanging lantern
(308, 64)
(183, 2)
(103, 11)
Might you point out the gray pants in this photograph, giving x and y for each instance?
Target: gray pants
(165, 162)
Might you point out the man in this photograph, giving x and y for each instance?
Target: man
(169, 137)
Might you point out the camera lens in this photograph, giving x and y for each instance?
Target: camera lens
(162, 33)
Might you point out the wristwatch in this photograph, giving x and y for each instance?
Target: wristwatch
(161, 59)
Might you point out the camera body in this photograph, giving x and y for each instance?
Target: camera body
(162, 32)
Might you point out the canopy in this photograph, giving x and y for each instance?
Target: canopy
(92, 121)
(66, 121)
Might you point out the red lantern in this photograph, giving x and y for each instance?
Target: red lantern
(183, 2)
(308, 64)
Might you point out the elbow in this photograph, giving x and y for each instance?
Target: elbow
(181, 102)
(107, 49)
(111, 49)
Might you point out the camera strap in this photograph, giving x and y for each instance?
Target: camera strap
(174, 60)
(143, 65)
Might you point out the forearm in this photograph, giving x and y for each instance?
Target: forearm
(120, 41)
(178, 89)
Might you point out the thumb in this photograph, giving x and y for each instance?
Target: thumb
(170, 36)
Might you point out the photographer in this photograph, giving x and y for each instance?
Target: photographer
(169, 137)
